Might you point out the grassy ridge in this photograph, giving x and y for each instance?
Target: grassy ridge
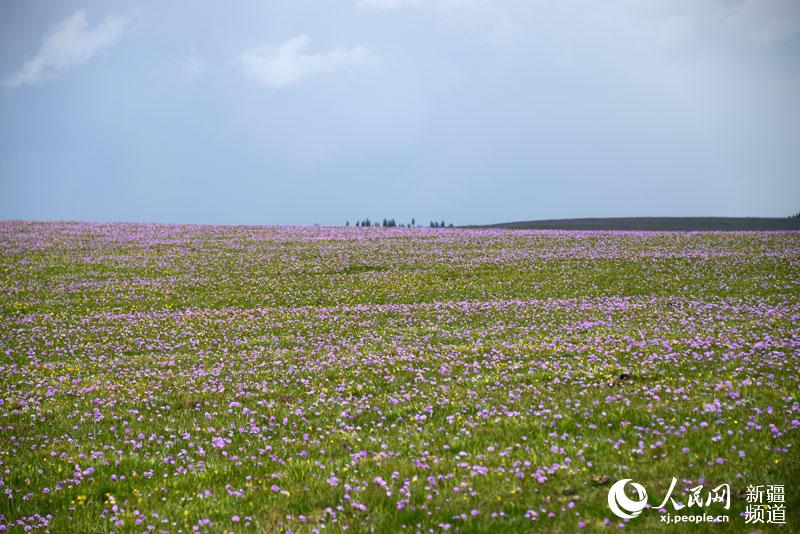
(670, 224)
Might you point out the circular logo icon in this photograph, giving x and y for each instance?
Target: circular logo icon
(622, 505)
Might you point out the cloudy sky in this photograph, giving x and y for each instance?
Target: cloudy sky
(473, 111)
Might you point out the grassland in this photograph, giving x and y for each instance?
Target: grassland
(204, 378)
(660, 224)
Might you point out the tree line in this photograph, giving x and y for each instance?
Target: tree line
(391, 223)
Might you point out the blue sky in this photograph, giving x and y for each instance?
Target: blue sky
(473, 111)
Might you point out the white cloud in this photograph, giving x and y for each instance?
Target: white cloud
(289, 62)
(763, 22)
(392, 4)
(750, 22)
(68, 44)
(493, 20)
(759, 23)
(437, 4)
(195, 67)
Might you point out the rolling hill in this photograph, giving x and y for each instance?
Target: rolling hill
(656, 224)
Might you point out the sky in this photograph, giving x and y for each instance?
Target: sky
(326, 111)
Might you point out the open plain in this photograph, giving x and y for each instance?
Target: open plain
(211, 378)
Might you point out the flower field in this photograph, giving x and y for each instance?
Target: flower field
(271, 379)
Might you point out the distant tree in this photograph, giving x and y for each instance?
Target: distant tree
(450, 225)
(347, 223)
(413, 222)
(441, 225)
(795, 216)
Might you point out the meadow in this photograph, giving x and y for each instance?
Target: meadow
(270, 379)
